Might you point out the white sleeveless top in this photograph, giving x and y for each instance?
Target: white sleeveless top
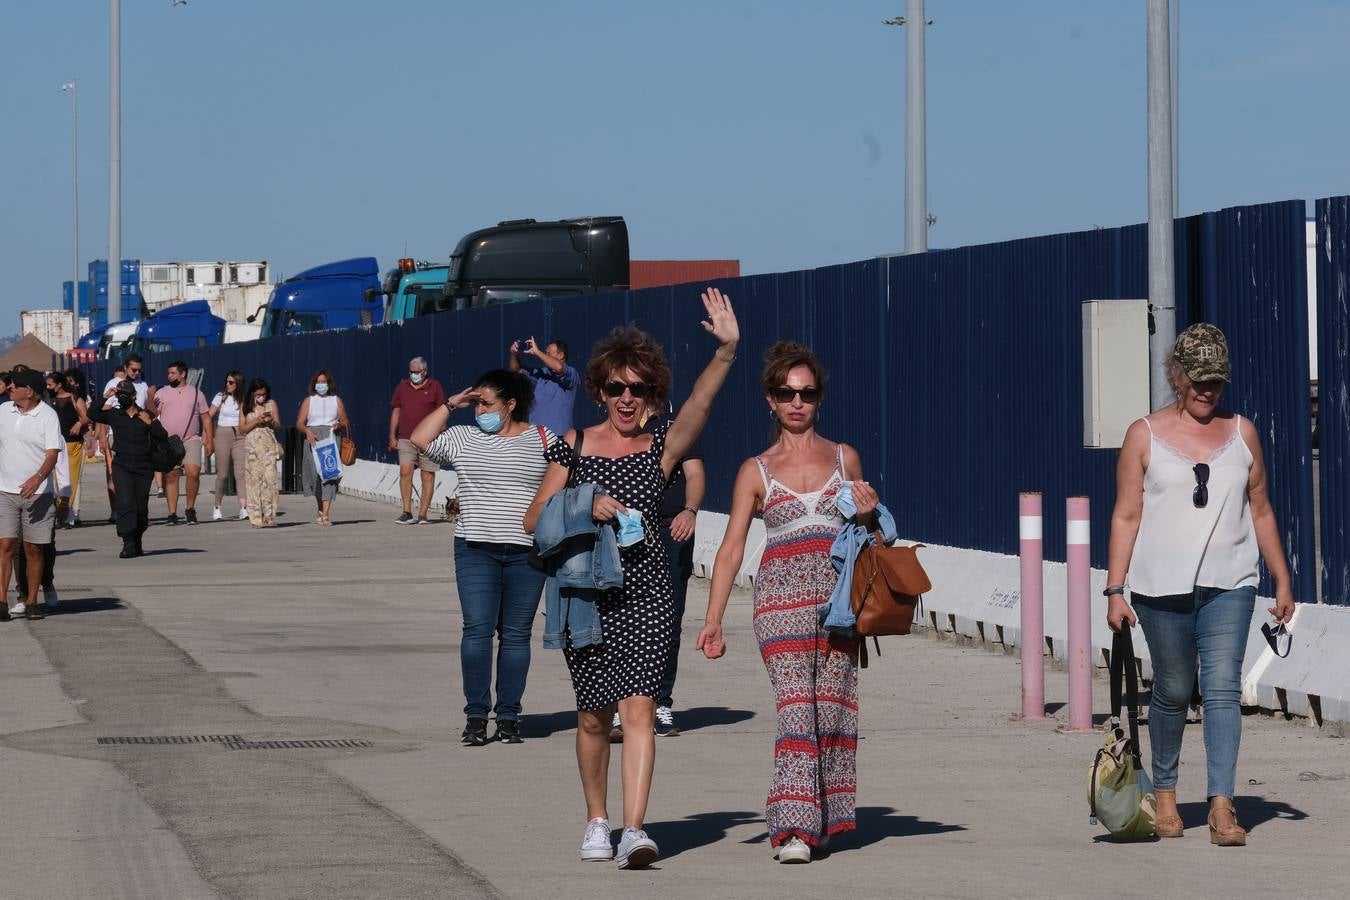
(1181, 546)
(322, 410)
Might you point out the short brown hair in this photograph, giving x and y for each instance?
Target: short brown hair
(785, 356)
(332, 385)
(629, 347)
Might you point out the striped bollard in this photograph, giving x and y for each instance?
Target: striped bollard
(1032, 604)
(1079, 660)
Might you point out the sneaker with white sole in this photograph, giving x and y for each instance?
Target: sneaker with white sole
(665, 722)
(50, 598)
(636, 850)
(405, 518)
(795, 850)
(596, 844)
(18, 609)
(616, 731)
(217, 515)
(243, 513)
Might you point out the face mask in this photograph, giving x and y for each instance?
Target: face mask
(489, 422)
(321, 388)
(630, 528)
(173, 382)
(416, 377)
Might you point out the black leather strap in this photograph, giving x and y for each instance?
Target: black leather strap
(1125, 684)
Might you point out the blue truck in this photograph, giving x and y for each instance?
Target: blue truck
(179, 327)
(335, 295)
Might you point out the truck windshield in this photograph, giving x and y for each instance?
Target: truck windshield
(498, 296)
(425, 299)
(290, 322)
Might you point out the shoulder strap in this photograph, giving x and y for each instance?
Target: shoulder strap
(839, 454)
(576, 456)
(1147, 424)
(764, 473)
(543, 439)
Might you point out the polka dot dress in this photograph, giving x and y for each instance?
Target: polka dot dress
(638, 620)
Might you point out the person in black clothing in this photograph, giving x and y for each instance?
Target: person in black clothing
(132, 473)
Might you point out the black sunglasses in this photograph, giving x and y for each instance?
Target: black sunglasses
(1277, 636)
(1201, 496)
(639, 390)
(785, 394)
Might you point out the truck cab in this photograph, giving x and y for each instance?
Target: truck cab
(335, 295)
(182, 326)
(116, 339)
(414, 288)
(90, 340)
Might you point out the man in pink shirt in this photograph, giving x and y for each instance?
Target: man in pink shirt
(183, 411)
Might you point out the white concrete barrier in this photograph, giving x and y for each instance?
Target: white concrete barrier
(378, 482)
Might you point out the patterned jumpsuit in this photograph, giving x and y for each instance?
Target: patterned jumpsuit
(813, 672)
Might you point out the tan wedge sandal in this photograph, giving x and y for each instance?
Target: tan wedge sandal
(1168, 826)
(1224, 830)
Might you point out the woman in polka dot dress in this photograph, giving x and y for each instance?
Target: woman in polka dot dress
(627, 372)
(814, 673)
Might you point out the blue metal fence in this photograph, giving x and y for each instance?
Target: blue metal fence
(1333, 371)
(956, 374)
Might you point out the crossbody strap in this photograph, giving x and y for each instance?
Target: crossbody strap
(576, 458)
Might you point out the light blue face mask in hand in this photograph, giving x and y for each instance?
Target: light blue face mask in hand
(630, 528)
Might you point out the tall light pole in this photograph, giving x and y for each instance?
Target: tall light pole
(1161, 203)
(114, 161)
(72, 88)
(916, 129)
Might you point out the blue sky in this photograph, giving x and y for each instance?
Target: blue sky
(770, 132)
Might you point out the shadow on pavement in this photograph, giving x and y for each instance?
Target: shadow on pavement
(353, 522)
(696, 831)
(1252, 812)
(85, 605)
(875, 824)
(165, 551)
(545, 724)
(74, 550)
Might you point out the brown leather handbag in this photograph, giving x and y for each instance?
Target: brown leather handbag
(888, 584)
(347, 451)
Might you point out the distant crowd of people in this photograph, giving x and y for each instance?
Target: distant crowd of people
(597, 524)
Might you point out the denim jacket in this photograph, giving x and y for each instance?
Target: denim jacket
(580, 557)
(852, 537)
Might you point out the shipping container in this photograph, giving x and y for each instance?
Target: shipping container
(54, 327)
(647, 273)
(123, 304)
(68, 298)
(165, 284)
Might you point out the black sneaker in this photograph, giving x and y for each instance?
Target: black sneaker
(475, 733)
(508, 732)
(405, 519)
(172, 519)
(191, 515)
(665, 722)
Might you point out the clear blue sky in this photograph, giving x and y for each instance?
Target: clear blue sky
(764, 130)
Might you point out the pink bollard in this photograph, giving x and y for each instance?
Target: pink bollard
(1032, 605)
(1078, 540)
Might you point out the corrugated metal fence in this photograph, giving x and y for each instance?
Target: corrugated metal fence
(1333, 370)
(956, 373)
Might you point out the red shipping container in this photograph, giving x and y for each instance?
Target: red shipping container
(646, 273)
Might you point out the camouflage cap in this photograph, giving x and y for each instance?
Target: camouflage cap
(1202, 353)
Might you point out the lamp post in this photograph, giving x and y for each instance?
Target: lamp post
(72, 88)
(114, 160)
(917, 219)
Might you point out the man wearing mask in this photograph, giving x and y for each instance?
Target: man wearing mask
(132, 473)
(415, 397)
(555, 382)
(183, 411)
(30, 445)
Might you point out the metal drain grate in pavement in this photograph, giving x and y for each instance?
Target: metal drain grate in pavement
(298, 745)
(174, 739)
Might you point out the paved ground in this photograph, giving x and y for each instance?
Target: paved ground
(350, 634)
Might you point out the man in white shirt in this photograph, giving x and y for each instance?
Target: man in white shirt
(30, 445)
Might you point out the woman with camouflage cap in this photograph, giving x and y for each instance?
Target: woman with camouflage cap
(1191, 519)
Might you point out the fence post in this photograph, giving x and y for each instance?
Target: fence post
(1079, 659)
(1032, 605)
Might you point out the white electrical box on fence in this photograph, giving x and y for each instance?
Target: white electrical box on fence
(1115, 369)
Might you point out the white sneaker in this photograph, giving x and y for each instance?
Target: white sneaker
(795, 850)
(18, 609)
(243, 513)
(50, 598)
(636, 850)
(217, 515)
(596, 844)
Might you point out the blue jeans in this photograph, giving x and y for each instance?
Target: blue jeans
(1214, 628)
(499, 594)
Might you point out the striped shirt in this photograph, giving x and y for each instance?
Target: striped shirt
(498, 478)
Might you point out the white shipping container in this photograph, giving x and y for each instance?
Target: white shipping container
(54, 327)
(235, 332)
(237, 302)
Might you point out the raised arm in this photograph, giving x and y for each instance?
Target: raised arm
(1125, 518)
(721, 324)
(1267, 529)
(435, 422)
(745, 496)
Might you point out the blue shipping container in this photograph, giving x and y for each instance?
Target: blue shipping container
(126, 304)
(67, 300)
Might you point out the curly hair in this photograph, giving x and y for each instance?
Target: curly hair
(629, 347)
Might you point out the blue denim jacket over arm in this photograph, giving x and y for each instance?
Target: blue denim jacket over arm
(581, 558)
(852, 537)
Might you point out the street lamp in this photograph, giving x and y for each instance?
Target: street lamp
(72, 88)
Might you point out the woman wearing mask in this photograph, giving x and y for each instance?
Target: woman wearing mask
(259, 424)
(67, 398)
(131, 428)
(499, 461)
(321, 414)
(814, 672)
(231, 452)
(627, 372)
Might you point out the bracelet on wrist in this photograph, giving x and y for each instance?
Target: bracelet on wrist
(690, 509)
(1115, 590)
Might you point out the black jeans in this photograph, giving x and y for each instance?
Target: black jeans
(132, 500)
(681, 557)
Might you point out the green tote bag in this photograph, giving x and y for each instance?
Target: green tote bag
(1120, 794)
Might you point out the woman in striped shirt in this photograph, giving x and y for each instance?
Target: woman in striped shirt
(499, 461)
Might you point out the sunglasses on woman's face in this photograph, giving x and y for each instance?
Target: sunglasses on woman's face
(784, 394)
(615, 389)
(1201, 495)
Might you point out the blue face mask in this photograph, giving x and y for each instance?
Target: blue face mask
(489, 422)
(630, 528)
(416, 377)
(321, 388)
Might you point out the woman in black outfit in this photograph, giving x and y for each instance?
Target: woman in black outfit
(132, 473)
